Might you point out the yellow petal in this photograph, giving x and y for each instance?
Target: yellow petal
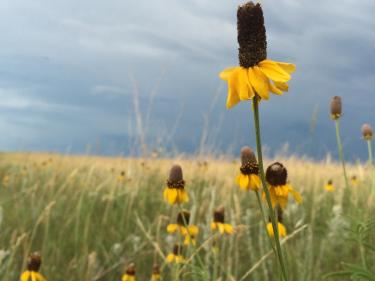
(270, 229)
(228, 228)
(193, 230)
(273, 71)
(180, 259)
(25, 276)
(33, 277)
(282, 86)
(39, 277)
(238, 87)
(221, 228)
(254, 182)
(226, 73)
(282, 230)
(259, 82)
(244, 88)
(172, 228)
(171, 195)
(170, 258)
(274, 89)
(288, 67)
(243, 181)
(297, 196)
(213, 226)
(182, 196)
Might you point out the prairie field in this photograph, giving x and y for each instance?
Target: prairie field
(90, 217)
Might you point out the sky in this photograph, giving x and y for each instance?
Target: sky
(113, 77)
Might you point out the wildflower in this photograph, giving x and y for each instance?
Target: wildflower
(336, 108)
(248, 177)
(176, 255)
(34, 262)
(218, 223)
(276, 176)
(367, 131)
(129, 273)
(256, 74)
(121, 177)
(155, 272)
(182, 225)
(354, 181)
(280, 227)
(329, 186)
(175, 192)
(190, 240)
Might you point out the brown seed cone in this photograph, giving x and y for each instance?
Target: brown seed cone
(176, 179)
(251, 35)
(276, 174)
(156, 269)
(248, 161)
(219, 215)
(367, 131)
(183, 218)
(177, 250)
(34, 261)
(130, 270)
(336, 107)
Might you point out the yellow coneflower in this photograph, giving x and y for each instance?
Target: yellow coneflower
(336, 108)
(329, 186)
(34, 261)
(155, 273)
(280, 226)
(190, 240)
(354, 181)
(121, 177)
(175, 192)
(248, 178)
(276, 176)
(182, 225)
(129, 273)
(256, 74)
(219, 224)
(176, 255)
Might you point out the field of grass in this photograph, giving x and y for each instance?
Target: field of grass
(90, 217)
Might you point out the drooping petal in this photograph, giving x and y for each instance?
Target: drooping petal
(213, 226)
(297, 196)
(40, 277)
(273, 71)
(274, 89)
(184, 197)
(270, 229)
(170, 258)
(226, 73)
(288, 67)
(243, 85)
(228, 228)
(193, 230)
(282, 230)
(259, 82)
(170, 194)
(25, 276)
(33, 277)
(221, 228)
(282, 86)
(180, 259)
(243, 181)
(254, 183)
(172, 228)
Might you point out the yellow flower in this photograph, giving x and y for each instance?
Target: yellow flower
(155, 277)
(190, 240)
(276, 176)
(256, 75)
(281, 229)
(265, 77)
(175, 192)
(248, 178)
(182, 226)
(34, 261)
(354, 181)
(176, 255)
(329, 186)
(129, 273)
(218, 223)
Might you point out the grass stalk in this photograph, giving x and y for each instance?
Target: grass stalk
(341, 152)
(369, 146)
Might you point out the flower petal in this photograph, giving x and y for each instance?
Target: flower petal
(193, 230)
(288, 67)
(172, 228)
(259, 82)
(282, 86)
(274, 89)
(213, 226)
(221, 228)
(226, 73)
(243, 181)
(228, 228)
(273, 71)
(170, 258)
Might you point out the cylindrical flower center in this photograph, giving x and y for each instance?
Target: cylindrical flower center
(276, 174)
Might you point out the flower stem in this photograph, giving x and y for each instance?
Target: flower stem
(341, 153)
(265, 188)
(369, 151)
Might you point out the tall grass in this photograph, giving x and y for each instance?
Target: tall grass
(89, 221)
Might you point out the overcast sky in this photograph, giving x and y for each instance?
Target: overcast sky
(77, 74)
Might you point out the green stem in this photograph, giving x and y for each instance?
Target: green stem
(369, 151)
(341, 153)
(265, 188)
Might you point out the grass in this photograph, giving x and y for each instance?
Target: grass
(88, 221)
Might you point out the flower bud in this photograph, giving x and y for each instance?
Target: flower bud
(367, 131)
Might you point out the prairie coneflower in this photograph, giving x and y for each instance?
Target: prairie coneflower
(175, 192)
(129, 273)
(280, 227)
(276, 176)
(182, 225)
(329, 186)
(176, 255)
(354, 181)
(248, 179)
(219, 224)
(155, 276)
(34, 262)
(190, 240)
(336, 108)
(256, 74)
(121, 177)
(367, 131)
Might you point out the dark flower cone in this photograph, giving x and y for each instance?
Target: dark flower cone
(276, 174)
(176, 179)
(177, 250)
(34, 261)
(251, 35)
(183, 218)
(130, 270)
(336, 107)
(219, 215)
(248, 161)
(367, 131)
